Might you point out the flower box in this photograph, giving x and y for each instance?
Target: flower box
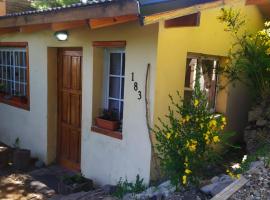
(107, 124)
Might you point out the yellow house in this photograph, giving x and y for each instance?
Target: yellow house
(60, 68)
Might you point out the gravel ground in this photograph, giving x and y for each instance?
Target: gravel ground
(258, 187)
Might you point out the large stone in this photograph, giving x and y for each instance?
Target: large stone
(217, 186)
(255, 114)
(261, 122)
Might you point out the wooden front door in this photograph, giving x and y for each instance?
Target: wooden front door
(69, 108)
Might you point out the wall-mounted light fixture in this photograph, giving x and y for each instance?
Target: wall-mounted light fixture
(61, 35)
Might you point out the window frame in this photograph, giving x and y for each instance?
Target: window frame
(16, 101)
(206, 57)
(107, 76)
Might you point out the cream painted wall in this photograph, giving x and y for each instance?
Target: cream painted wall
(103, 158)
(209, 38)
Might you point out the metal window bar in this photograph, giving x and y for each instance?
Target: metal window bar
(12, 63)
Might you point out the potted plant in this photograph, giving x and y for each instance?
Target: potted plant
(73, 184)
(21, 157)
(108, 120)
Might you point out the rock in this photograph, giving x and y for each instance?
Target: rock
(261, 122)
(190, 196)
(256, 164)
(39, 164)
(255, 114)
(222, 182)
(214, 179)
(162, 191)
(128, 196)
(109, 189)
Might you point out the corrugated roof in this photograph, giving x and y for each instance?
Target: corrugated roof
(149, 7)
(76, 5)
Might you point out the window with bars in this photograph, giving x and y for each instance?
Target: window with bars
(114, 81)
(208, 77)
(13, 75)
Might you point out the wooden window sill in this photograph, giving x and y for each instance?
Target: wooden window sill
(14, 101)
(114, 134)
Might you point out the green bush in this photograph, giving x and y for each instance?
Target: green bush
(125, 187)
(248, 58)
(186, 136)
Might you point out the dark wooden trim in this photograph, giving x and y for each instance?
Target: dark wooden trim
(113, 44)
(114, 134)
(8, 30)
(111, 9)
(111, 21)
(34, 28)
(16, 101)
(14, 44)
(185, 21)
(60, 26)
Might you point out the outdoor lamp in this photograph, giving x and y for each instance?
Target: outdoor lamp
(61, 35)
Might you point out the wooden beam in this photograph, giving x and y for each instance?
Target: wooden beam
(227, 192)
(94, 11)
(13, 44)
(182, 12)
(9, 30)
(112, 44)
(34, 28)
(104, 22)
(185, 21)
(60, 26)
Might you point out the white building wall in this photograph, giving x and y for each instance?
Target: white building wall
(104, 159)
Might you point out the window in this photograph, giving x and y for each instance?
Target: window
(114, 81)
(208, 79)
(108, 88)
(14, 74)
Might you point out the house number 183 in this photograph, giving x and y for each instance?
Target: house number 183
(136, 87)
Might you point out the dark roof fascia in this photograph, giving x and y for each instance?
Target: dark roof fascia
(106, 8)
(151, 7)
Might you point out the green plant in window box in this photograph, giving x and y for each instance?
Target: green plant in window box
(108, 120)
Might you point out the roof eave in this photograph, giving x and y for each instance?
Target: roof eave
(103, 10)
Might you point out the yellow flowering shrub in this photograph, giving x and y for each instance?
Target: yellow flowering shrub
(185, 140)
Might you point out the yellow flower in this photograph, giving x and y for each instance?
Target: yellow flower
(196, 102)
(187, 118)
(184, 180)
(238, 176)
(201, 125)
(187, 171)
(213, 123)
(268, 51)
(222, 127)
(168, 136)
(216, 139)
(186, 164)
(224, 121)
(191, 145)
